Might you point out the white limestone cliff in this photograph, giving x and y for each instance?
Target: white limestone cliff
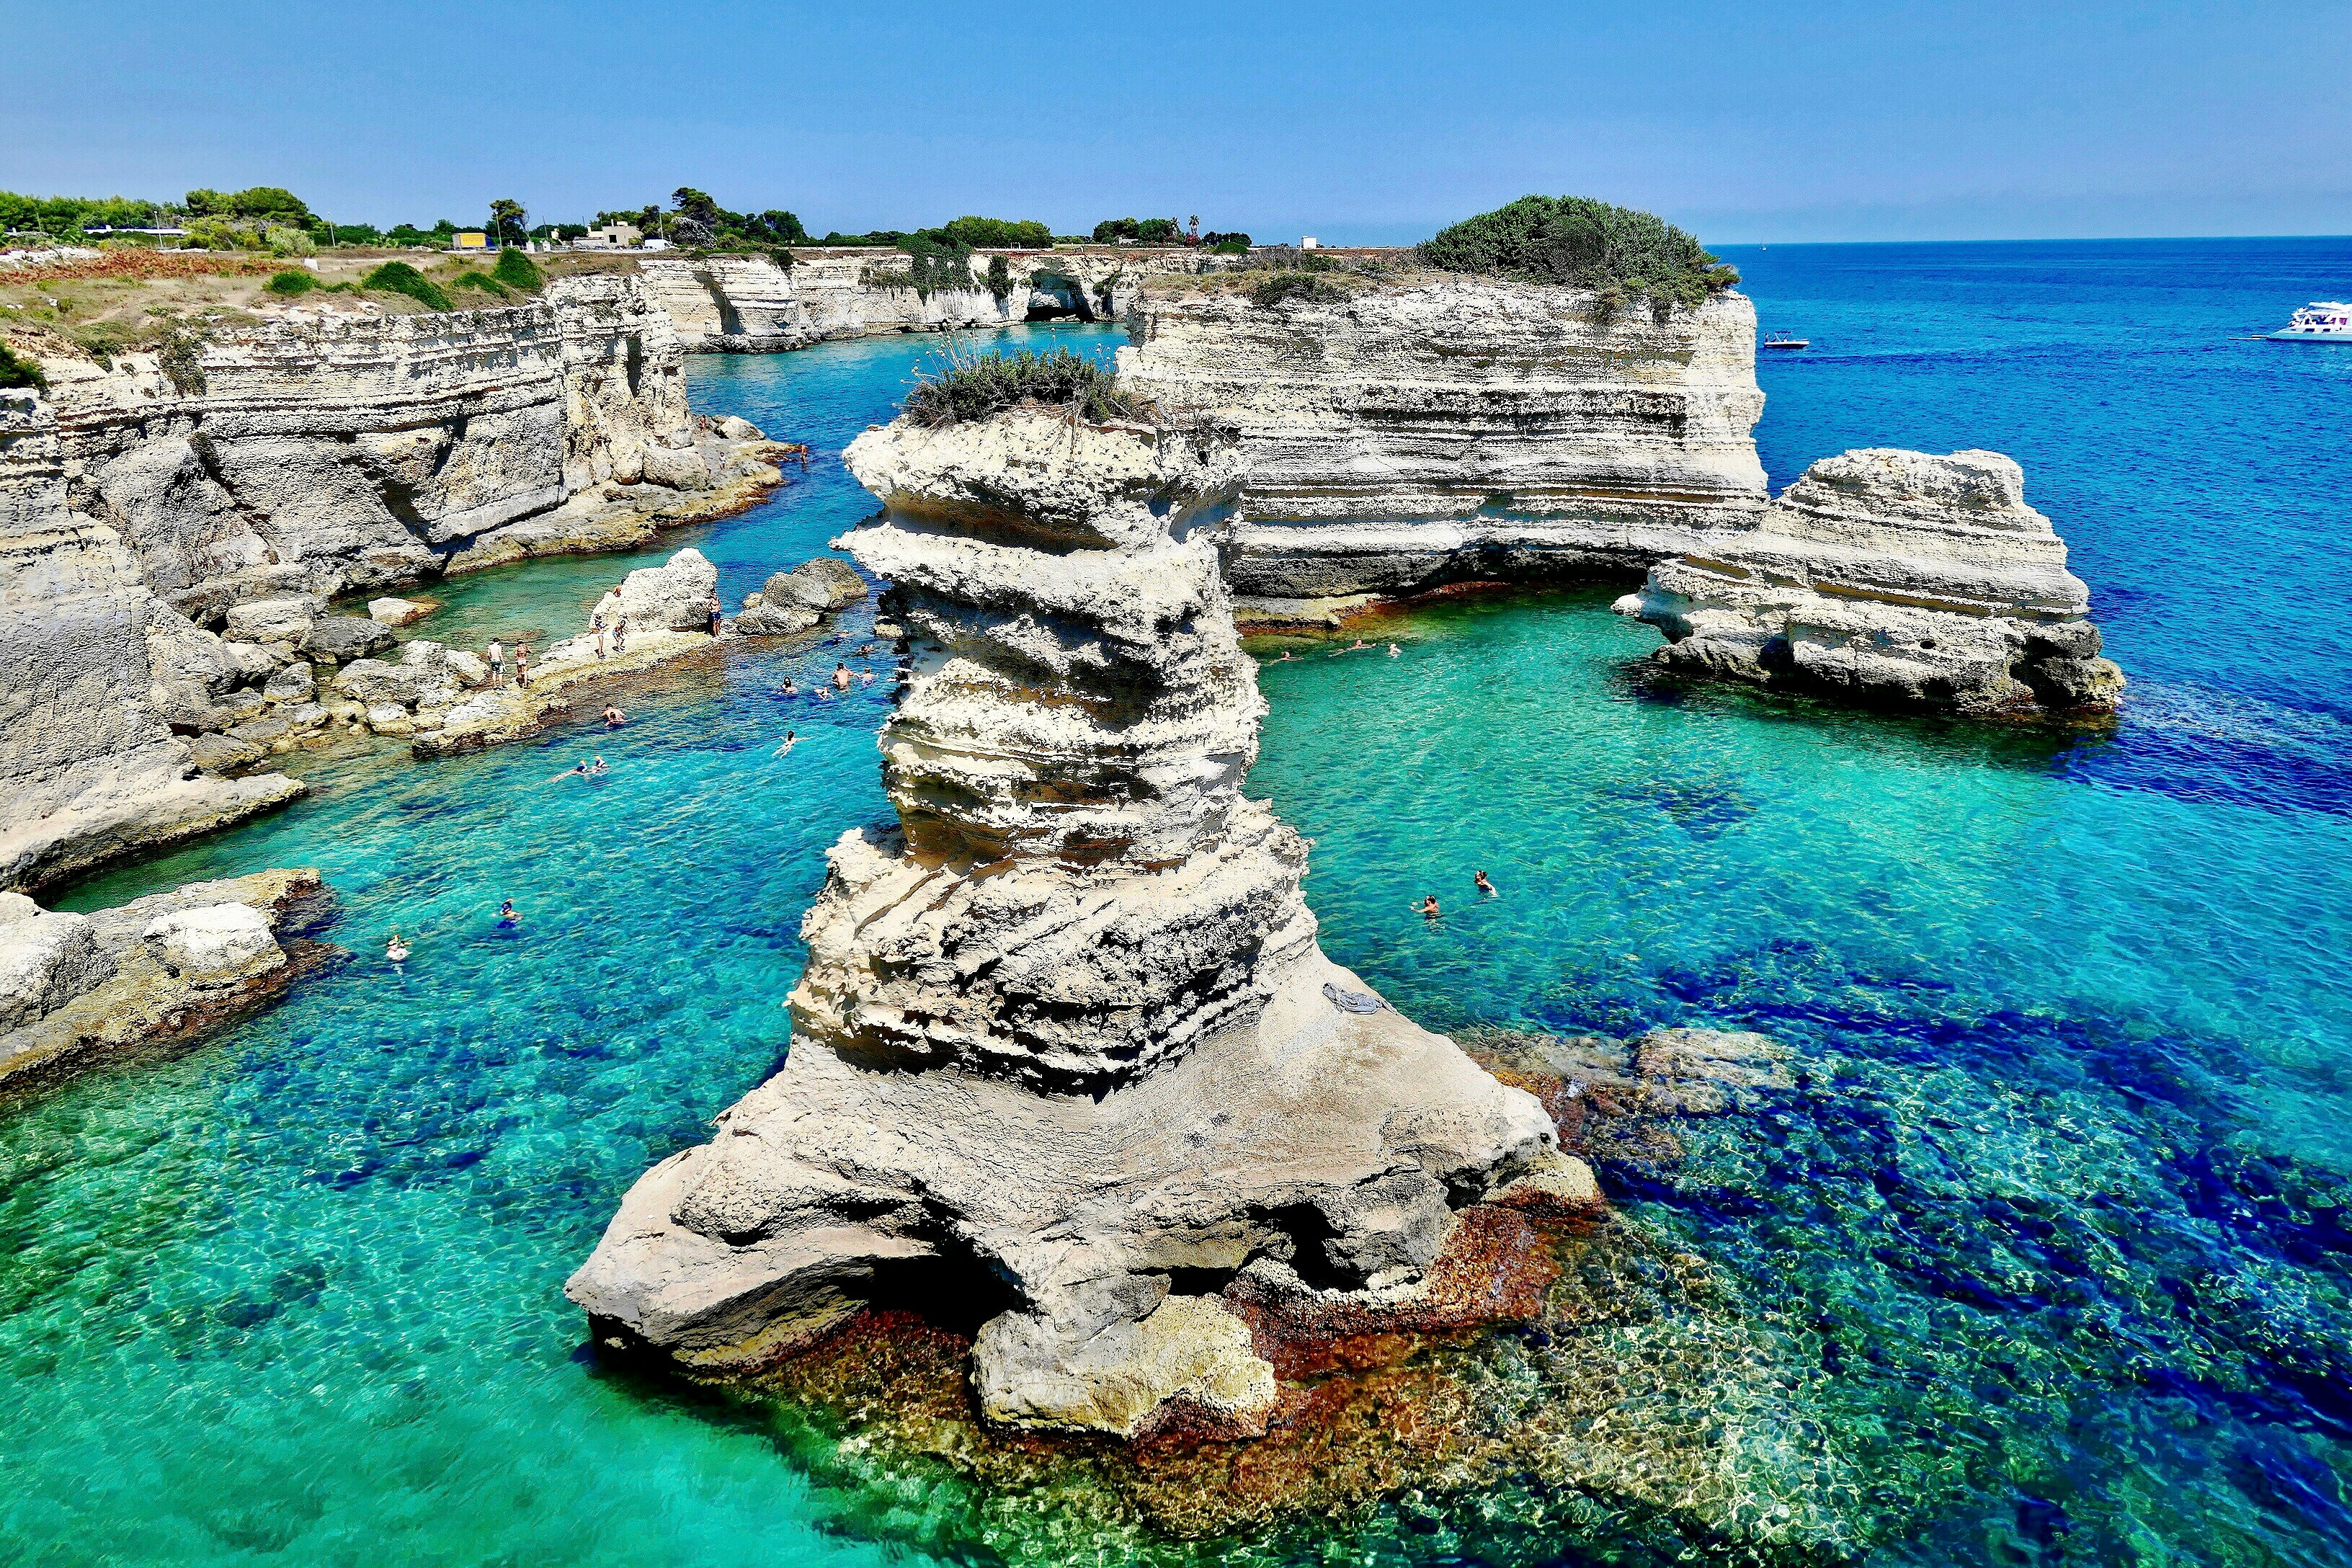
(88, 766)
(1066, 1054)
(1895, 576)
(1430, 428)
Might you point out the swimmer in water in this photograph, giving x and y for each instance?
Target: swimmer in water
(395, 949)
(1394, 650)
(597, 772)
(1285, 658)
(1427, 908)
(841, 678)
(507, 915)
(580, 770)
(1485, 886)
(791, 740)
(613, 717)
(787, 688)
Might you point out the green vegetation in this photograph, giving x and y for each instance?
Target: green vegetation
(519, 271)
(291, 282)
(999, 277)
(973, 386)
(1226, 244)
(20, 370)
(699, 223)
(996, 233)
(1618, 252)
(508, 224)
(178, 351)
(1144, 231)
(400, 277)
(479, 280)
(1308, 284)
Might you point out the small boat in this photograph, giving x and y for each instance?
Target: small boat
(2321, 321)
(1783, 340)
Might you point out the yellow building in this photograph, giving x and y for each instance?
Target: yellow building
(468, 240)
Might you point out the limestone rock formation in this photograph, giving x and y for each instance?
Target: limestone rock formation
(674, 596)
(75, 989)
(87, 765)
(1066, 1055)
(325, 452)
(1433, 428)
(796, 600)
(1894, 576)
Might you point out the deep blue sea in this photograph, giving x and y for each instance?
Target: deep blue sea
(2049, 1261)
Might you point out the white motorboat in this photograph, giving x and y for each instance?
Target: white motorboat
(1783, 340)
(2321, 321)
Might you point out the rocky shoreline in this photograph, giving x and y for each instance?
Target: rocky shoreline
(77, 991)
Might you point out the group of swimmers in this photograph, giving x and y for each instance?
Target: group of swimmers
(397, 950)
(1428, 908)
(1358, 646)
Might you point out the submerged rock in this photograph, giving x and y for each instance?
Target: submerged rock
(1062, 1054)
(1894, 576)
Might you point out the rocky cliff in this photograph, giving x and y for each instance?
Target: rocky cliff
(749, 304)
(87, 766)
(1427, 429)
(325, 452)
(1067, 1054)
(1895, 576)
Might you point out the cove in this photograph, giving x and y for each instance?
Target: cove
(2052, 1254)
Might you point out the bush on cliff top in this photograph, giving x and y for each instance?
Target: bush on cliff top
(519, 271)
(973, 386)
(400, 277)
(291, 282)
(1617, 251)
(21, 370)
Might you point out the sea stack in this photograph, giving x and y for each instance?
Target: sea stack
(1893, 576)
(1066, 1055)
(1418, 428)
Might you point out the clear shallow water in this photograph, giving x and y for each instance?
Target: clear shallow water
(2057, 1243)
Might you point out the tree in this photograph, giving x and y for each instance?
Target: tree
(509, 223)
(694, 204)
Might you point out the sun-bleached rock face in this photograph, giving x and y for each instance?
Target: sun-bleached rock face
(87, 766)
(1434, 428)
(1065, 1041)
(674, 596)
(1895, 576)
(324, 452)
(749, 304)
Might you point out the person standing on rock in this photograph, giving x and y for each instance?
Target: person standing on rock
(621, 635)
(712, 608)
(522, 664)
(498, 663)
(604, 634)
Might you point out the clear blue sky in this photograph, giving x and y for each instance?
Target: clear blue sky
(1367, 122)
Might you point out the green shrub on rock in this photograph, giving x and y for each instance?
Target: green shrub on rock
(291, 282)
(1618, 252)
(21, 370)
(1309, 286)
(519, 271)
(973, 386)
(480, 281)
(400, 277)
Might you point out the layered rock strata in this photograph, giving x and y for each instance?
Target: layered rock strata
(1066, 1055)
(90, 766)
(323, 453)
(1431, 428)
(749, 304)
(1894, 576)
(76, 989)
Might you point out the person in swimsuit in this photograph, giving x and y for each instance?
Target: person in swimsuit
(597, 772)
(841, 678)
(613, 717)
(791, 740)
(507, 915)
(577, 769)
(1392, 650)
(522, 664)
(498, 663)
(621, 635)
(395, 949)
(1427, 908)
(1485, 886)
(712, 608)
(604, 634)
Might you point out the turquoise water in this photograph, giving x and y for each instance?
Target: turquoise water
(2054, 1241)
